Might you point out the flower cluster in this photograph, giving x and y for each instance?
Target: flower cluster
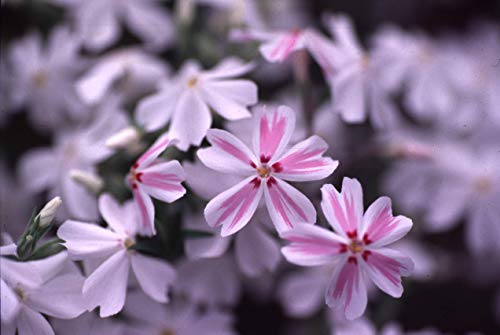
(189, 148)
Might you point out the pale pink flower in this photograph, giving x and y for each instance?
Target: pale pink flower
(107, 285)
(82, 148)
(99, 21)
(220, 284)
(40, 77)
(264, 171)
(178, 317)
(157, 178)
(187, 99)
(132, 70)
(51, 286)
(351, 75)
(357, 247)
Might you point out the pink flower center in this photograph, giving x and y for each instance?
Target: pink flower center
(135, 177)
(263, 171)
(192, 82)
(356, 246)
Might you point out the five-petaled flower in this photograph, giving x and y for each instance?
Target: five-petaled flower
(357, 247)
(107, 284)
(151, 177)
(265, 170)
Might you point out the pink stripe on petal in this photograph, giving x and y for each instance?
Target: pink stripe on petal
(271, 134)
(285, 46)
(231, 150)
(386, 266)
(146, 225)
(153, 152)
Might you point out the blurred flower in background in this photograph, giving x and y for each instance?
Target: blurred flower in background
(159, 148)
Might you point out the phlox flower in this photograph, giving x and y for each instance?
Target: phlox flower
(98, 21)
(132, 70)
(106, 286)
(351, 75)
(449, 178)
(221, 284)
(264, 170)
(74, 149)
(187, 98)
(178, 317)
(157, 178)
(255, 250)
(40, 77)
(357, 247)
(51, 286)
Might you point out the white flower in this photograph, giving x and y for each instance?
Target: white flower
(188, 97)
(107, 285)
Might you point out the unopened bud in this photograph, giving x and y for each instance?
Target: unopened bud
(125, 138)
(48, 212)
(90, 181)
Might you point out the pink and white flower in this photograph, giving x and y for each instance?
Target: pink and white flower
(107, 285)
(264, 170)
(351, 75)
(153, 177)
(187, 98)
(276, 45)
(357, 247)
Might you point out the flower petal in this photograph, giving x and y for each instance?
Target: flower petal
(204, 247)
(107, 285)
(163, 181)
(154, 276)
(227, 154)
(256, 251)
(385, 267)
(9, 304)
(146, 211)
(347, 289)
(312, 245)
(154, 111)
(235, 207)
(112, 213)
(30, 322)
(344, 210)
(190, 121)
(154, 151)
(229, 67)
(380, 227)
(87, 240)
(37, 169)
(230, 98)
(273, 131)
(287, 205)
(278, 49)
(61, 297)
(304, 161)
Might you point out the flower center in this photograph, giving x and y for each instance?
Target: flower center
(20, 293)
(192, 82)
(356, 246)
(264, 171)
(40, 78)
(483, 184)
(128, 243)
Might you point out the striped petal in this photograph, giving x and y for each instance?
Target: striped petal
(287, 205)
(235, 207)
(163, 181)
(304, 161)
(344, 210)
(146, 211)
(312, 245)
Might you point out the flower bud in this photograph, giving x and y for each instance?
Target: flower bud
(90, 181)
(48, 212)
(125, 138)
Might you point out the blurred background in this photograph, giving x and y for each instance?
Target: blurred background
(458, 289)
